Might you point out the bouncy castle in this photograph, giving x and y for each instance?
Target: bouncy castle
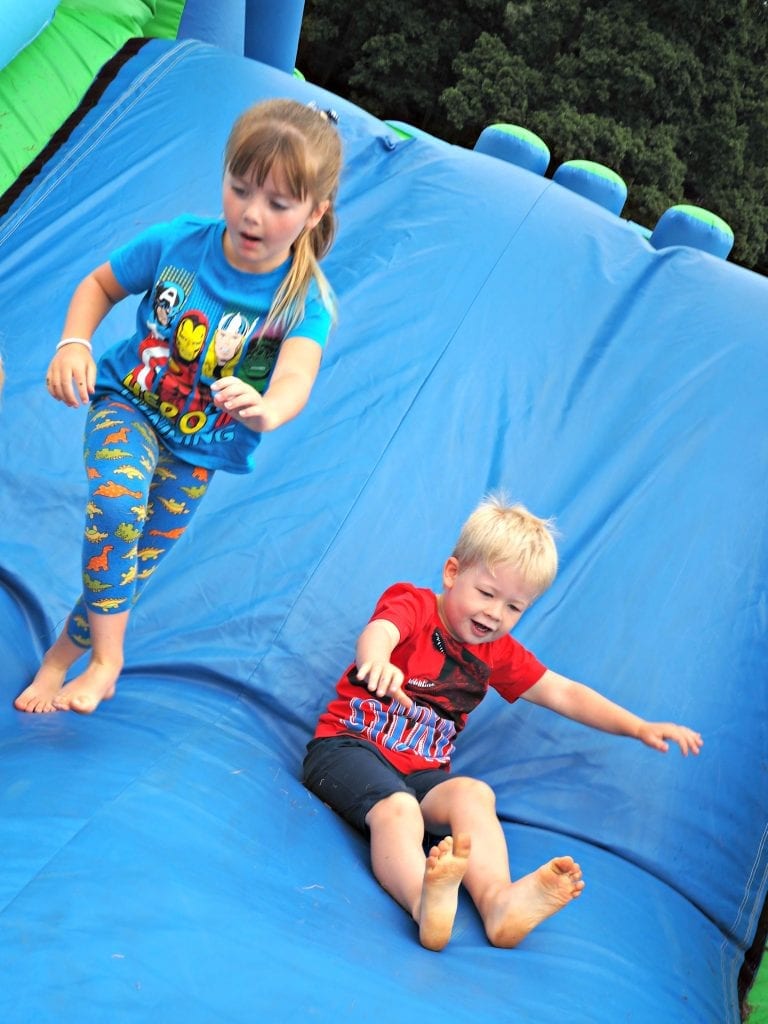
(499, 329)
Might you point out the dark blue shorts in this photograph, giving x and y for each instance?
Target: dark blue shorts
(350, 775)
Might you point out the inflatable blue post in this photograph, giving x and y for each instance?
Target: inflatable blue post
(272, 30)
(220, 24)
(593, 181)
(695, 227)
(516, 145)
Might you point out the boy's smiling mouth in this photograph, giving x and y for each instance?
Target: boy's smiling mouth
(478, 627)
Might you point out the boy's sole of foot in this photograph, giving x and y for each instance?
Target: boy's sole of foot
(525, 903)
(445, 868)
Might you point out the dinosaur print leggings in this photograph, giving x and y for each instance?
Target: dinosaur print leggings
(141, 499)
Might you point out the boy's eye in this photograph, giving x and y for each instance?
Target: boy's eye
(485, 593)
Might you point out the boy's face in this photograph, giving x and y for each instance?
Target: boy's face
(479, 604)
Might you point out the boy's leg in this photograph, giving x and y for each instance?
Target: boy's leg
(509, 910)
(357, 782)
(427, 887)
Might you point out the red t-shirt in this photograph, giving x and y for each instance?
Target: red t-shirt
(445, 679)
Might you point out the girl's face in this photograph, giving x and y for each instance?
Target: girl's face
(263, 221)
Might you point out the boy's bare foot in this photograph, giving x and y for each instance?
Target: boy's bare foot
(84, 694)
(39, 695)
(444, 871)
(516, 909)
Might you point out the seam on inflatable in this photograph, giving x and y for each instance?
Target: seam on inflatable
(111, 117)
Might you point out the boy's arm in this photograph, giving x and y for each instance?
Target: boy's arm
(289, 388)
(374, 649)
(72, 371)
(583, 704)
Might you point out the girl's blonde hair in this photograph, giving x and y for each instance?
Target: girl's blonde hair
(304, 144)
(497, 532)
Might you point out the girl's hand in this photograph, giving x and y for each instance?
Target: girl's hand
(385, 680)
(71, 376)
(243, 403)
(655, 734)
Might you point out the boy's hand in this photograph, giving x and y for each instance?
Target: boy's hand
(385, 680)
(654, 734)
(71, 375)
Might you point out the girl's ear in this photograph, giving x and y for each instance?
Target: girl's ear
(450, 572)
(317, 214)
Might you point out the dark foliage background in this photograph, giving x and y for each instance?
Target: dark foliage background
(670, 94)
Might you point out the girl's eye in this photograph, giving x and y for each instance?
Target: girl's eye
(485, 593)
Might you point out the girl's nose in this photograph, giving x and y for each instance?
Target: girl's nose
(253, 211)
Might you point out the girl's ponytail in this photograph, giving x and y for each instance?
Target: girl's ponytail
(290, 298)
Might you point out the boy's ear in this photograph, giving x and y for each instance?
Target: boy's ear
(450, 572)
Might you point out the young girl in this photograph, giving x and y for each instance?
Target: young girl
(229, 336)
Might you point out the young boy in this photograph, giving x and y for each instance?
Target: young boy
(381, 752)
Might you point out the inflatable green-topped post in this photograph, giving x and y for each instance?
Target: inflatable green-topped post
(693, 226)
(514, 144)
(594, 181)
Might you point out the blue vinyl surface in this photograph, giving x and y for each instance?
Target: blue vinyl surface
(161, 860)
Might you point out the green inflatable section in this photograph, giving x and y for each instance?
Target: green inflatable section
(44, 83)
(758, 998)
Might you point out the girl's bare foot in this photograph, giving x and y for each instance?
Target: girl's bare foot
(84, 694)
(517, 908)
(39, 695)
(444, 871)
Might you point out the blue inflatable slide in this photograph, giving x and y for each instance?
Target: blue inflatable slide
(161, 861)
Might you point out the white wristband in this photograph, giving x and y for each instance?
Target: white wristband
(75, 341)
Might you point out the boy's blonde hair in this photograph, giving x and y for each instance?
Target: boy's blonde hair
(304, 144)
(497, 532)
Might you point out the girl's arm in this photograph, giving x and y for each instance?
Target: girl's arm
(374, 649)
(289, 388)
(72, 371)
(583, 704)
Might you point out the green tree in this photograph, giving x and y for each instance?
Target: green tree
(392, 59)
(672, 96)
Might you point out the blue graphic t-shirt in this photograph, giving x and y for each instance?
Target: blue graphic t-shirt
(199, 320)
